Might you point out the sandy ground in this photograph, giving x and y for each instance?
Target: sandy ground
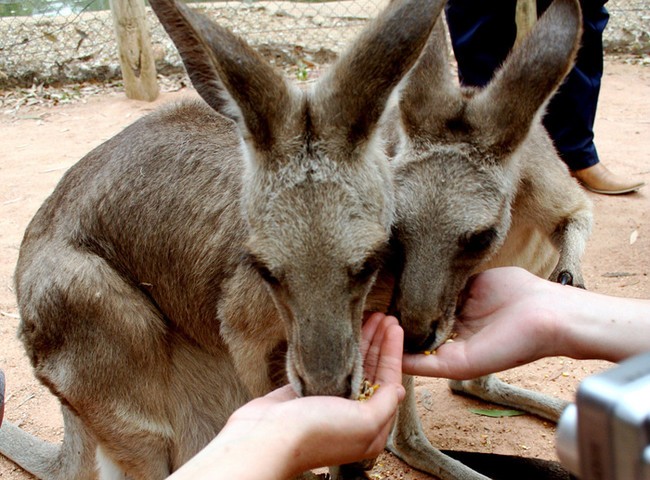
(38, 144)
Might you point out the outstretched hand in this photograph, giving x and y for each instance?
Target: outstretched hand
(506, 319)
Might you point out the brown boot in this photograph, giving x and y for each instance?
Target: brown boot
(599, 179)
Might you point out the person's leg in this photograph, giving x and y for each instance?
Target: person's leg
(482, 33)
(572, 111)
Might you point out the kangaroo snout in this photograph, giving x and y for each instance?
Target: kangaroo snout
(417, 342)
(426, 327)
(332, 385)
(325, 366)
(339, 380)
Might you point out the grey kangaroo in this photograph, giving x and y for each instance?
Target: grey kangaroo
(205, 238)
(479, 184)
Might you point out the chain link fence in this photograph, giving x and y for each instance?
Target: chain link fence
(63, 41)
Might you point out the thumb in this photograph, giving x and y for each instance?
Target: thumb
(449, 361)
(282, 394)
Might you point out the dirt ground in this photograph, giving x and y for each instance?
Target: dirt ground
(38, 144)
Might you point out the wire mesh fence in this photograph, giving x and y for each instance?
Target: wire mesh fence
(54, 41)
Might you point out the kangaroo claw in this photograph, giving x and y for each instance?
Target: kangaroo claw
(565, 278)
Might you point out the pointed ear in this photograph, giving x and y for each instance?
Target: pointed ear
(228, 74)
(183, 27)
(531, 74)
(353, 94)
(430, 97)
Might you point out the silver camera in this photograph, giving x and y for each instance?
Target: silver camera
(2, 395)
(605, 434)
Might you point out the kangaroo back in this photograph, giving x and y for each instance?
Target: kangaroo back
(191, 254)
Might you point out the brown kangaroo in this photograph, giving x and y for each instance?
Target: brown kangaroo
(207, 237)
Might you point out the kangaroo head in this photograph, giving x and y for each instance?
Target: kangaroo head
(457, 171)
(317, 190)
(319, 226)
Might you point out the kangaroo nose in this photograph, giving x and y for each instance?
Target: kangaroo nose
(331, 387)
(418, 343)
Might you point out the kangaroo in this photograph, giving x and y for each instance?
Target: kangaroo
(207, 237)
(479, 184)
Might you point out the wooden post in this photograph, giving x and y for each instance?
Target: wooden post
(134, 45)
(525, 17)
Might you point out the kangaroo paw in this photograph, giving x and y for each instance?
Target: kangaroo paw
(492, 389)
(565, 277)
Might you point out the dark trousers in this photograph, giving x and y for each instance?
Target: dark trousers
(482, 34)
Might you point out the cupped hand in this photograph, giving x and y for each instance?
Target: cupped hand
(319, 430)
(505, 320)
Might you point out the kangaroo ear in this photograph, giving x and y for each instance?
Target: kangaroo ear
(184, 27)
(506, 108)
(430, 97)
(352, 95)
(227, 73)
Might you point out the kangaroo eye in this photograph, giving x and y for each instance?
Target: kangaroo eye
(262, 270)
(266, 275)
(478, 242)
(373, 263)
(368, 269)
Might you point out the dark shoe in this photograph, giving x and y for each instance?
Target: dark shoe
(599, 179)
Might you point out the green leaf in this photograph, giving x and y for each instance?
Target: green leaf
(496, 413)
(302, 74)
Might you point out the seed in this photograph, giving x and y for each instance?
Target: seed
(367, 390)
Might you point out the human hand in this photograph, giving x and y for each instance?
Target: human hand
(290, 435)
(506, 319)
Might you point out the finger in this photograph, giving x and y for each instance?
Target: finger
(373, 351)
(368, 331)
(389, 365)
(384, 404)
(449, 361)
